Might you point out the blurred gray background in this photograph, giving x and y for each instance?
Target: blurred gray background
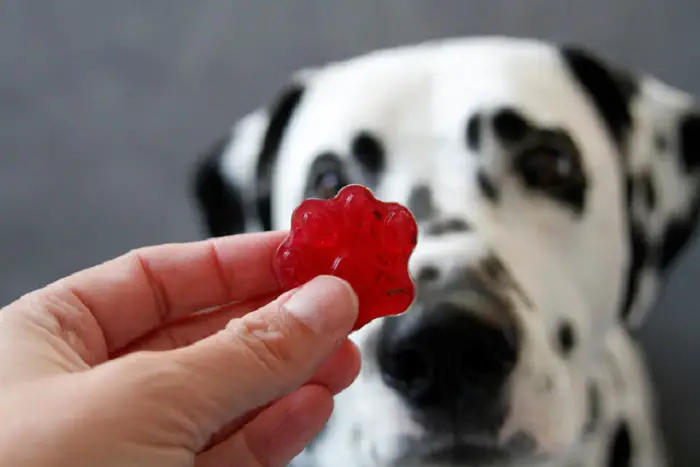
(104, 104)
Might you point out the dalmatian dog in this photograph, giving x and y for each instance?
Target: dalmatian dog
(553, 191)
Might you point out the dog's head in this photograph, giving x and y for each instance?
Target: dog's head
(553, 191)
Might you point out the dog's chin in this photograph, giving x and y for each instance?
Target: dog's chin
(464, 451)
(452, 454)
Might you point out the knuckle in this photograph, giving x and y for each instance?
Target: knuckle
(161, 301)
(220, 271)
(273, 339)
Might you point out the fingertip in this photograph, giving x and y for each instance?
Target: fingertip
(339, 288)
(353, 367)
(356, 358)
(348, 293)
(326, 304)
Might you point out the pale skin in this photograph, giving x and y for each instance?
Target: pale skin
(174, 355)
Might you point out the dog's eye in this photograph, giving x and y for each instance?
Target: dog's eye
(328, 183)
(547, 166)
(552, 165)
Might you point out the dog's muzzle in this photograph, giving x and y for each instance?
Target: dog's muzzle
(451, 355)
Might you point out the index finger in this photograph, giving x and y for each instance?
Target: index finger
(148, 287)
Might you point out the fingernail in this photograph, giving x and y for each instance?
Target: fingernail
(325, 304)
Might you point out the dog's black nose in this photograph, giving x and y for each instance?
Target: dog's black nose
(449, 357)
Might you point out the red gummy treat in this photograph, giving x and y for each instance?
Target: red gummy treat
(358, 238)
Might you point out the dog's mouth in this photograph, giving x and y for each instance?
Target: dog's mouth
(465, 450)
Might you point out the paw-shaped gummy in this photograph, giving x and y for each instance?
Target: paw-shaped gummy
(358, 238)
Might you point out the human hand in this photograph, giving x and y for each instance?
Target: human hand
(118, 365)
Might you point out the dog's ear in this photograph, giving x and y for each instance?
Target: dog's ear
(232, 183)
(680, 223)
(222, 179)
(657, 130)
(610, 90)
(663, 189)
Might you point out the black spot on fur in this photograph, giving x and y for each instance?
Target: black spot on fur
(566, 337)
(220, 204)
(486, 186)
(428, 273)
(610, 91)
(281, 114)
(420, 202)
(594, 407)
(677, 235)
(447, 226)
(521, 443)
(369, 152)
(639, 252)
(493, 268)
(474, 132)
(661, 142)
(621, 448)
(356, 434)
(510, 125)
(374, 454)
(646, 185)
(690, 141)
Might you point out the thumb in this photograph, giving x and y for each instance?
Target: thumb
(266, 354)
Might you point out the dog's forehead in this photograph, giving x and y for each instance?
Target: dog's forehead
(417, 101)
(428, 92)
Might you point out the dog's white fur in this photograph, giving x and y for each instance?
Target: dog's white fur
(417, 99)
